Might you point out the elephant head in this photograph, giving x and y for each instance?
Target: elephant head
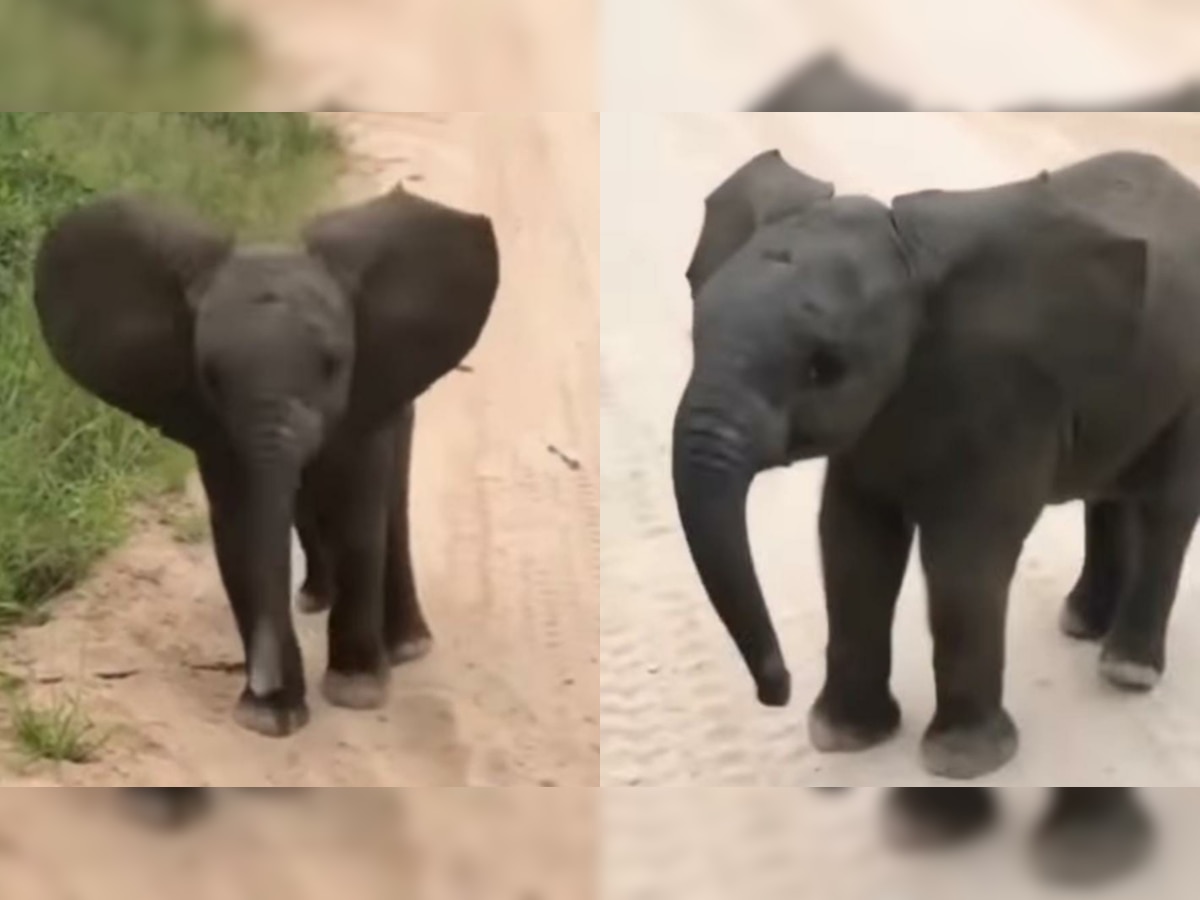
(809, 310)
(264, 354)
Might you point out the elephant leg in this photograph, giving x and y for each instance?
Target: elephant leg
(1134, 653)
(969, 562)
(1092, 835)
(930, 817)
(352, 482)
(316, 593)
(864, 551)
(1165, 489)
(283, 709)
(406, 634)
(1109, 564)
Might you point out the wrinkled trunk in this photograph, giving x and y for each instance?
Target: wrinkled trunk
(714, 462)
(273, 656)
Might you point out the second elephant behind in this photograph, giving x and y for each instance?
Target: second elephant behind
(963, 359)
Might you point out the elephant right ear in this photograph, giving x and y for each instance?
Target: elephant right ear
(114, 282)
(421, 278)
(764, 190)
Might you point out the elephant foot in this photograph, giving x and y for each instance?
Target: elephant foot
(1081, 623)
(934, 818)
(270, 716)
(355, 690)
(309, 600)
(1093, 846)
(964, 751)
(833, 731)
(1129, 671)
(410, 650)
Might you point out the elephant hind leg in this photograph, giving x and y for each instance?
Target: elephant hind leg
(316, 593)
(1109, 564)
(406, 634)
(1166, 507)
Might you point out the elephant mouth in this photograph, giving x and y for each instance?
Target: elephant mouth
(803, 444)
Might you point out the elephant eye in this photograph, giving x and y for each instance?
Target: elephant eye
(330, 364)
(824, 368)
(211, 378)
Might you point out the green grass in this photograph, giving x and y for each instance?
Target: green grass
(69, 466)
(113, 54)
(59, 732)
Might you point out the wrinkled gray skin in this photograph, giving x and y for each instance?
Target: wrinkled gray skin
(963, 359)
(828, 84)
(291, 372)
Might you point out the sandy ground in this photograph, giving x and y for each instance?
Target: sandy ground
(506, 502)
(795, 844)
(677, 707)
(723, 54)
(426, 844)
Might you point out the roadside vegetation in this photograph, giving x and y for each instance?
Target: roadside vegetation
(69, 466)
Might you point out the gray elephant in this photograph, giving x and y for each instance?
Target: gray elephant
(963, 359)
(291, 373)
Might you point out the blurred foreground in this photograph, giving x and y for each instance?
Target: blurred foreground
(797, 844)
(376, 844)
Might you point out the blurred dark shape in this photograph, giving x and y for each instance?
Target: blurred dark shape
(937, 817)
(168, 808)
(1093, 836)
(827, 84)
(1185, 98)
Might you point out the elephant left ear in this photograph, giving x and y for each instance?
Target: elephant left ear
(421, 278)
(764, 190)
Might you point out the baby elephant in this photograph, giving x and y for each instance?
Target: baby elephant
(963, 359)
(291, 372)
(1088, 836)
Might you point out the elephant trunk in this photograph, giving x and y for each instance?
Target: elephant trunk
(273, 475)
(714, 462)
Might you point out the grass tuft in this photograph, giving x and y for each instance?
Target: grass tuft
(59, 732)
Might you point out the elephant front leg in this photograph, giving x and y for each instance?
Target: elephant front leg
(406, 635)
(273, 700)
(1093, 835)
(1109, 564)
(969, 563)
(352, 484)
(864, 552)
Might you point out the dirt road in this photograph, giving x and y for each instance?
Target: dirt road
(505, 505)
(677, 707)
(722, 54)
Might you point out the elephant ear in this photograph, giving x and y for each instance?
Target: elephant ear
(764, 190)
(1021, 268)
(421, 278)
(114, 282)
